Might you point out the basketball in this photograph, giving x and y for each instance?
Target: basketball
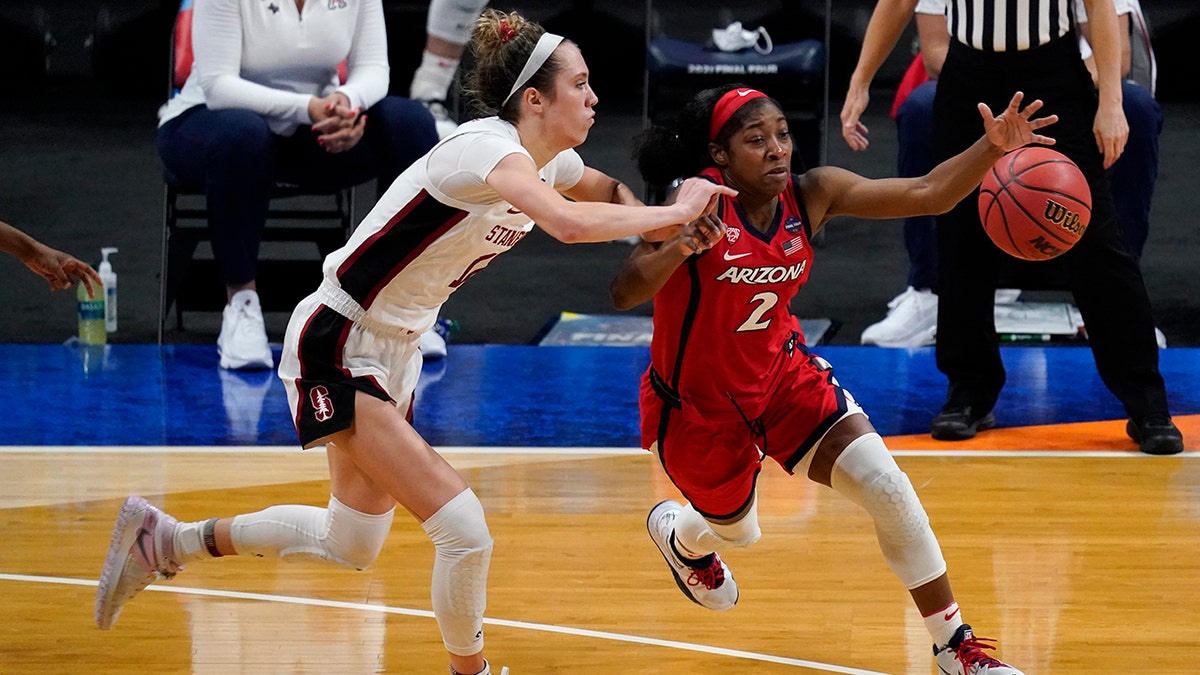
(1035, 203)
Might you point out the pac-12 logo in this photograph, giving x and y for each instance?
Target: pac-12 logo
(321, 403)
(732, 234)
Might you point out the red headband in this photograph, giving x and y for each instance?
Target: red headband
(727, 105)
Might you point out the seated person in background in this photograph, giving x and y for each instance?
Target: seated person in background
(447, 32)
(60, 269)
(912, 316)
(264, 105)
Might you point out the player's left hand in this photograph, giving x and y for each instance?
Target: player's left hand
(700, 235)
(1014, 127)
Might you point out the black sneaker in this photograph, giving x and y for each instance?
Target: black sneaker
(1156, 435)
(958, 423)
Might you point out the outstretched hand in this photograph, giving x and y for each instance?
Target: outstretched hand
(699, 196)
(62, 270)
(1013, 128)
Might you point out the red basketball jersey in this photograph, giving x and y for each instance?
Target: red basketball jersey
(722, 326)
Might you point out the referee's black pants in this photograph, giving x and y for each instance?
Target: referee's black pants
(1104, 279)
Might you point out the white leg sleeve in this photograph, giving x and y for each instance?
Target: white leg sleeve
(866, 473)
(464, 550)
(338, 533)
(697, 537)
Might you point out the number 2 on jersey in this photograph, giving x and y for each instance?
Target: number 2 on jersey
(766, 301)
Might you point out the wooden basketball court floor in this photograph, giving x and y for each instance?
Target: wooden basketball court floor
(1077, 553)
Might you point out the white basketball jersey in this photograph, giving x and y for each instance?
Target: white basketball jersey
(438, 225)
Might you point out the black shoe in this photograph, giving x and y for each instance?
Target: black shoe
(959, 423)
(1156, 435)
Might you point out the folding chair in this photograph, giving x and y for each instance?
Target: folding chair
(191, 283)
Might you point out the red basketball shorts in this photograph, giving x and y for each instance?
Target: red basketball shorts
(715, 463)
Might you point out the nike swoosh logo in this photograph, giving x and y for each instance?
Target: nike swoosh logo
(514, 210)
(142, 545)
(744, 92)
(735, 257)
(949, 616)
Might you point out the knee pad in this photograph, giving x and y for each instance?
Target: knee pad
(337, 534)
(355, 538)
(701, 537)
(459, 589)
(866, 473)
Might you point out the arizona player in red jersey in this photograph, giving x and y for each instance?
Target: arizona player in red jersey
(731, 380)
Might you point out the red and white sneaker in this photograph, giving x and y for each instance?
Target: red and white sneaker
(706, 582)
(964, 655)
(141, 551)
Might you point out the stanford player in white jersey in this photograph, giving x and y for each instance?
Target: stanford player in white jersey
(351, 360)
(730, 378)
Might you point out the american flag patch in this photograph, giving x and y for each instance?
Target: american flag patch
(792, 245)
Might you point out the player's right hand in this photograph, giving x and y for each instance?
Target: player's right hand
(697, 196)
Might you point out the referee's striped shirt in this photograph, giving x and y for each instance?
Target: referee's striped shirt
(1008, 25)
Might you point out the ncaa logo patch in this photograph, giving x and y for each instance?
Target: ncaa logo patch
(792, 225)
(337, 4)
(321, 403)
(732, 234)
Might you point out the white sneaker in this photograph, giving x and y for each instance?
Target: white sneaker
(711, 585)
(433, 345)
(911, 321)
(441, 118)
(242, 343)
(141, 551)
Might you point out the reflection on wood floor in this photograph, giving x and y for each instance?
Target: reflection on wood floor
(1075, 563)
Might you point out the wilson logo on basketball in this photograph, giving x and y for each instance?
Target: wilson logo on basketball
(322, 406)
(1063, 217)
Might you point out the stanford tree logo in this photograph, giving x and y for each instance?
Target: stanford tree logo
(322, 405)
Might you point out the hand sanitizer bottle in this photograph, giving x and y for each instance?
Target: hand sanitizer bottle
(109, 277)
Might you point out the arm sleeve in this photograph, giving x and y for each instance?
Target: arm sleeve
(368, 72)
(217, 47)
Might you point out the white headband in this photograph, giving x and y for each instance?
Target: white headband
(546, 45)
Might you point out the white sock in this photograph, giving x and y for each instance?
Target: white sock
(432, 80)
(943, 623)
(189, 543)
(690, 530)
